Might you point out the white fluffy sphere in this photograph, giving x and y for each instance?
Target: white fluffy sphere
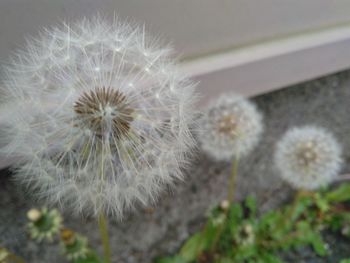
(308, 157)
(101, 116)
(231, 126)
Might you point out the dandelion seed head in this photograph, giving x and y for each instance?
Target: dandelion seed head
(104, 111)
(308, 157)
(231, 126)
(97, 132)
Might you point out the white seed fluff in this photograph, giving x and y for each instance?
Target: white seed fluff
(231, 126)
(101, 117)
(308, 157)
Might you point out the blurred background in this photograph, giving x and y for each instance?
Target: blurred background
(249, 46)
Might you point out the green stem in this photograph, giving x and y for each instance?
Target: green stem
(230, 197)
(232, 182)
(273, 244)
(285, 220)
(217, 237)
(103, 226)
(102, 222)
(297, 197)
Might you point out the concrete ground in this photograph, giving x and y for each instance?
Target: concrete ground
(144, 233)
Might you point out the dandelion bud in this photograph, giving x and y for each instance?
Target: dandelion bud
(224, 205)
(34, 215)
(75, 246)
(46, 225)
(68, 237)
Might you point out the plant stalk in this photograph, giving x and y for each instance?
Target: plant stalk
(230, 196)
(103, 226)
(232, 182)
(290, 213)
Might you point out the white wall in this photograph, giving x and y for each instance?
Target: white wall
(195, 26)
(250, 46)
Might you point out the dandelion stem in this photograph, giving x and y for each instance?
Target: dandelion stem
(290, 217)
(102, 222)
(232, 182)
(103, 225)
(217, 236)
(230, 196)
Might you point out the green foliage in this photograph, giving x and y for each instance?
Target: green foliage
(240, 236)
(191, 248)
(176, 259)
(341, 194)
(237, 234)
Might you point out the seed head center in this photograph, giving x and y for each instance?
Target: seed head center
(307, 154)
(228, 125)
(104, 111)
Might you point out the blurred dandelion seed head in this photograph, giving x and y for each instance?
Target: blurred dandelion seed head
(103, 116)
(308, 157)
(231, 126)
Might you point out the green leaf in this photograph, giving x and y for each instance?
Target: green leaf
(271, 225)
(176, 259)
(193, 247)
(270, 258)
(225, 260)
(298, 208)
(321, 203)
(245, 252)
(345, 261)
(236, 213)
(250, 203)
(318, 245)
(341, 194)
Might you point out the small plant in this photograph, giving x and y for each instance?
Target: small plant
(48, 225)
(44, 223)
(248, 238)
(75, 247)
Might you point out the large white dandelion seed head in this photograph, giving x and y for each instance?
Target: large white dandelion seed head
(231, 126)
(308, 157)
(101, 117)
